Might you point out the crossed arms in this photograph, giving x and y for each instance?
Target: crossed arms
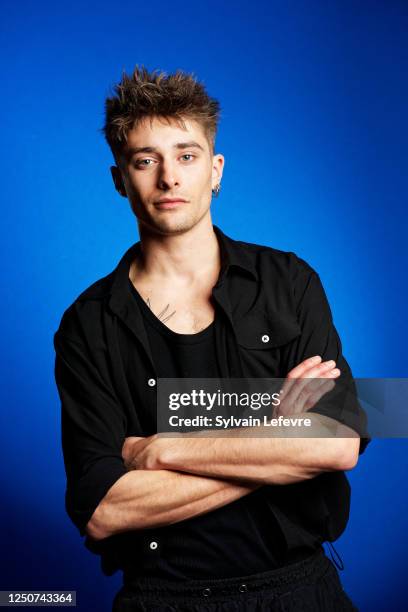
(173, 479)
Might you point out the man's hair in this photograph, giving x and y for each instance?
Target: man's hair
(144, 94)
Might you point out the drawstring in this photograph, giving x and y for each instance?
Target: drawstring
(340, 567)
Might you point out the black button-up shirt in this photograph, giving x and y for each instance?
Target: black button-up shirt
(275, 315)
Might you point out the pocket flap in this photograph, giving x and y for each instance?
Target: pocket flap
(266, 330)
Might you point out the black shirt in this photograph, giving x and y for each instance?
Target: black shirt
(238, 539)
(106, 374)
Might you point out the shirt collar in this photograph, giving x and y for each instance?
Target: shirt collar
(233, 254)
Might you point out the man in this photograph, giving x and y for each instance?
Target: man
(196, 523)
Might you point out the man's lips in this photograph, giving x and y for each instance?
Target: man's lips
(178, 199)
(169, 202)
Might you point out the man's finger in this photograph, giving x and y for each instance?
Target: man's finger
(325, 369)
(128, 445)
(327, 386)
(296, 394)
(300, 369)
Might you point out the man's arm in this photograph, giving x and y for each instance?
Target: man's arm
(141, 499)
(150, 496)
(240, 454)
(266, 460)
(93, 435)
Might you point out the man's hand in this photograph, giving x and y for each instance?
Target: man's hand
(137, 453)
(306, 384)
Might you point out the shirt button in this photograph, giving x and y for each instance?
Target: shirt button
(265, 338)
(151, 382)
(243, 588)
(207, 592)
(153, 545)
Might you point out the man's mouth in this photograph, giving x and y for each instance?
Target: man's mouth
(168, 203)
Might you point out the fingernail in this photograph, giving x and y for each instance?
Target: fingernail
(335, 372)
(316, 358)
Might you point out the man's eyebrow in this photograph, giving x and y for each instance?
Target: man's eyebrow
(179, 145)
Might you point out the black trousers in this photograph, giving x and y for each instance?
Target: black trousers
(310, 585)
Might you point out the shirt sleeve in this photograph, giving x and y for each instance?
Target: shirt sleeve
(319, 337)
(93, 429)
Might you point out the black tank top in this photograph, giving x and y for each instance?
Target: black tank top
(179, 355)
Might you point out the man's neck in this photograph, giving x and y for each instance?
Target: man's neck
(180, 258)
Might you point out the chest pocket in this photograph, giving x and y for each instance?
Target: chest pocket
(264, 331)
(260, 338)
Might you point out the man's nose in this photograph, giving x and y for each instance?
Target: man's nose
(168, 176)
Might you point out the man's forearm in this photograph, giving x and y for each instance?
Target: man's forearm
(265, 460)
(142, 498)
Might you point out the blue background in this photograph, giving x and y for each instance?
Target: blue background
(314, 131)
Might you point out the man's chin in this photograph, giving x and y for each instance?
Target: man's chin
(170, 226)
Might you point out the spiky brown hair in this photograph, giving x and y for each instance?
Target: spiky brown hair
(143, 94)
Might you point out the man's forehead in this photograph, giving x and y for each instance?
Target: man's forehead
(151, 131)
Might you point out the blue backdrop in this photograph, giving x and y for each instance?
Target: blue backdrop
(314, 131)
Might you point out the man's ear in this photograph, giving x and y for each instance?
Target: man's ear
(118, 181)
(217, 169)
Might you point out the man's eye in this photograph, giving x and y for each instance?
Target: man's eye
(140, 162)
(188, 155)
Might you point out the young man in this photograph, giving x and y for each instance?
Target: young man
(196, 523)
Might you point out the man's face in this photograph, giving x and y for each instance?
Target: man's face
(162, 160)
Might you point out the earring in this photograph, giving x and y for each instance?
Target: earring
(216, 190)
